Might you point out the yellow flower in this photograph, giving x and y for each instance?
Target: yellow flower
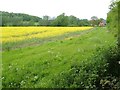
(14, 34)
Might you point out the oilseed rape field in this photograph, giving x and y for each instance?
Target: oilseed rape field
(13, 34)
(18, 36)
(53, 57)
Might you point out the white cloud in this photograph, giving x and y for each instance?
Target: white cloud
(78, 8)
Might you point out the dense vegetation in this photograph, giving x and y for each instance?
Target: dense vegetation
(112, 18)
(112, 55)
(18, 19)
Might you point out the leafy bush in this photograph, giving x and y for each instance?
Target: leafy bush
(111, 79)
(113, 60)
(112, 18)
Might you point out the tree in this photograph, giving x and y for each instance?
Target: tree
(84, 22)
(94, 21)
(112, 18)
(18, 19)
(45, 21)
(61, 20)
(73, 21)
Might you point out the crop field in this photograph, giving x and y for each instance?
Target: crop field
(13, 34)
(46, 57)
(20, 34)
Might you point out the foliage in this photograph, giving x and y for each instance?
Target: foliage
(73, 21)
(113, 70)
(111, 80)
(84, 22)
(18, 19)
(61, 20)
(95, 21)
(112, 18)
(112, 56)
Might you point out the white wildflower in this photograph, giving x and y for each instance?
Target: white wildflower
(119, 62)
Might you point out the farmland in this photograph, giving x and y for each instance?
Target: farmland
(45, 57)
(13, 35)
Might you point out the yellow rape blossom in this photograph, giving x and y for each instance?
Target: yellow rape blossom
(13, 34)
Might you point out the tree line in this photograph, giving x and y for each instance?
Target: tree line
(19, 19)
(112, 17)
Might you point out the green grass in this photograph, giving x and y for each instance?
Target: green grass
(37, 65)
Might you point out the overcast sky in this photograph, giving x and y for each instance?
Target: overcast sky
(79, 8)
